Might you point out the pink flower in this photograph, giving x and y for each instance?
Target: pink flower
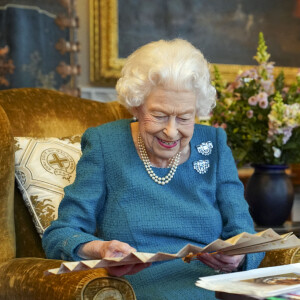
(269, 67)
(223, 125)
(262, 96)
(232, 86)
(252, 73)
(249, 114)
(263, 103)
(268, 86)
(263, 100)
(253, 100)
(286, 89)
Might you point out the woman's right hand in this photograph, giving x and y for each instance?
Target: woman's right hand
(103, 249)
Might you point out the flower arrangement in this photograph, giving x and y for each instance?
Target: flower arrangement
(260, 114)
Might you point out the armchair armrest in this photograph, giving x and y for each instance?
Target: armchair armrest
(24, 278)
(281, 257)
(7, 180)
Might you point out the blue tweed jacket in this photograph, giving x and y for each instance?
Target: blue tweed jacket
(114, 198)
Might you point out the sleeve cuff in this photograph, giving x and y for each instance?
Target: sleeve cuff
(71, 245)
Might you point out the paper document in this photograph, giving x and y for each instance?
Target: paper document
(262, 282)
(240, 244)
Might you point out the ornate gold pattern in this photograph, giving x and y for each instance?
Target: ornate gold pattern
(44, 209)
(17, 146)
(104, 62)
(71, 139)
(57, 162)
(43, 167)
(281, 257)
(105, 65)
(109, 289)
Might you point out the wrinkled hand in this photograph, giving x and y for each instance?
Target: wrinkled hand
(221, 262)
(104, 249)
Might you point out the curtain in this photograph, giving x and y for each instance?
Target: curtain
(37, 34)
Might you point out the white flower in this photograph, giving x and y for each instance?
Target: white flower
(277, 152)
(269, 140)
(287, 133)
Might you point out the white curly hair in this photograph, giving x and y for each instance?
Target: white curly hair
(174, 64)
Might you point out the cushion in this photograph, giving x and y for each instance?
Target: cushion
(43, 167)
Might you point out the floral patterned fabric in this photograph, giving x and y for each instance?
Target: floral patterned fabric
(30, 30)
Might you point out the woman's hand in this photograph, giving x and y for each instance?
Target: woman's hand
(221, 262)
(103, 249)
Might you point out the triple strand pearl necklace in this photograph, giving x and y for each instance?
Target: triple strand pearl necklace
(145, 158)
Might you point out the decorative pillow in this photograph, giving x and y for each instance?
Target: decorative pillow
(43, 167)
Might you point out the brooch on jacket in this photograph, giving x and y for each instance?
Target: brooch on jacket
(201, 166)
(205, 148)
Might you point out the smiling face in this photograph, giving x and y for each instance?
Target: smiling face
(166, 124)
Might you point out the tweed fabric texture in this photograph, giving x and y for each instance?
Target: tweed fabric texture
(115, 197)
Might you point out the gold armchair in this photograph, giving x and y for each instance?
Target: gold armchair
(44, 113)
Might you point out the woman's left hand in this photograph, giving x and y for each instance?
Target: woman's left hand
(221, 262)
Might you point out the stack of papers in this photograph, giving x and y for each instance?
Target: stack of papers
(240, 244)
(260, 283)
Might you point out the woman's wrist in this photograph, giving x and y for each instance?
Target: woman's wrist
(90, 250)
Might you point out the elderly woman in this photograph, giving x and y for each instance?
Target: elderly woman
(157, 182)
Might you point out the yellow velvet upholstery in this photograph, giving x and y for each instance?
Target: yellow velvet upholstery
(45, 113)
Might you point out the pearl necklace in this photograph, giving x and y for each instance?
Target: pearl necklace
(145, 158)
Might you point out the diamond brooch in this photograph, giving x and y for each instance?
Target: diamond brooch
(201, 166)
(205, 148)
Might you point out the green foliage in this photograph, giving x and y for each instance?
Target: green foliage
(262, 55)
(260, 114)
(279, 82)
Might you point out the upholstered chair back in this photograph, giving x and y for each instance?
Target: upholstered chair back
(30, 112)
